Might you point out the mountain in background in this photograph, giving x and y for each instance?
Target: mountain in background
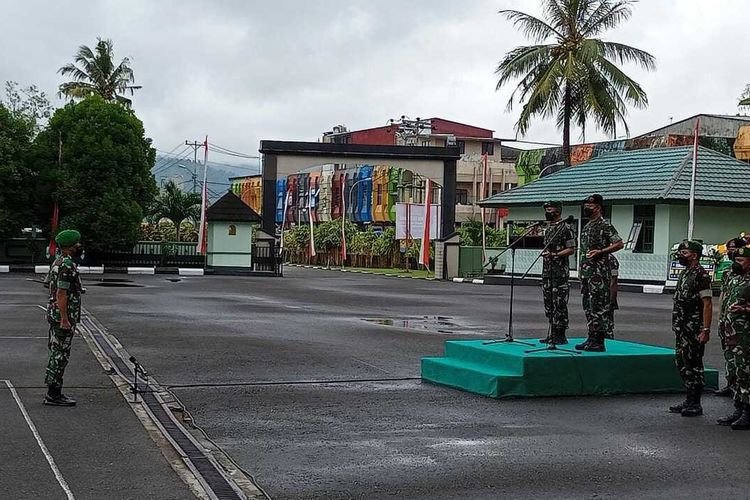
(180, 170)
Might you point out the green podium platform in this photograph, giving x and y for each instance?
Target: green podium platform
(505, 369)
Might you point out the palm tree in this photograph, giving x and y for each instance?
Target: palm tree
(176, 205)
(94, 72)
(575, 76)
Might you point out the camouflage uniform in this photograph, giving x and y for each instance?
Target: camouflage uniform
(614, 269)
(556, 274)
(63, 275)
(723, 306)
(687, 320)
(596, 275)
(736, 333)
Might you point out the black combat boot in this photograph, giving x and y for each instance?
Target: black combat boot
(55, 397)
(558, 336)
(596, 344)
(582, 345)
(694, 409)
(742, 423)
(547, 339)
(681, 406)
(725, 392)
(730, 419)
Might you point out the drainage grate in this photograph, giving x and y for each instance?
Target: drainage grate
(206, 468)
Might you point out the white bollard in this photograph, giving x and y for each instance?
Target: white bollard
(44, 269)
(188, 271)
(4, 269)
(141, 270)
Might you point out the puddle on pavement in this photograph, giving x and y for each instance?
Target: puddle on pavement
(439, 324)
(174, 280)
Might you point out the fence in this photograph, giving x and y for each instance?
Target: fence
(150, 254)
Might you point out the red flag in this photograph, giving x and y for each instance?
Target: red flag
(53, 230)
(202, 232)
(343, 222)
(424, 251)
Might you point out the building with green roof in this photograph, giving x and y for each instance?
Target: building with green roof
(646, 194)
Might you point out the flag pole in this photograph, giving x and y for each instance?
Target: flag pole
(202, 233)
(691, 216)
(343, 220)
(484, 216)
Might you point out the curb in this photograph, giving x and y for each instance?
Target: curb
(344, 270)
(534, 281)
(4, 269)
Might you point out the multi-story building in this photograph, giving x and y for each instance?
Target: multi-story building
(473, 142)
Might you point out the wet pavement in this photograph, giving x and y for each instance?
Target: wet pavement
(311, 383)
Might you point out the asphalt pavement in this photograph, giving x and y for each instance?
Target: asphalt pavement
(289, 378)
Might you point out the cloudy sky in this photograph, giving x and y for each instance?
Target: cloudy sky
(241, 71)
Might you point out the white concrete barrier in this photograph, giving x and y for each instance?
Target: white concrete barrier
(91, 269)
(141, 270)
(653, 288)
(458, 280)
(478, 282)
(187, 271)
(4, 269)
(44, 269)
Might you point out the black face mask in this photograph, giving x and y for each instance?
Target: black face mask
(730, 255)
(549, 215)
(737, 268)
(683, 260)
(588, 212)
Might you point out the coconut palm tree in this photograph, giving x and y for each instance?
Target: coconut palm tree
(574, 76)
(176, 205)
(94, 72)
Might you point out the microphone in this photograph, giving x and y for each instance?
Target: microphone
(138, 367)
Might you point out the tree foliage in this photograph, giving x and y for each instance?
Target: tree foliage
(94, 72)
(571, 73)
(16, 175)
(104, 183)
(27, 103)
(745, 97)
(176, 205)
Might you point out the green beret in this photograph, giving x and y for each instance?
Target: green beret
(596, 199)
(67, 238)
(743, 252)
(553, 204)
(695, 246)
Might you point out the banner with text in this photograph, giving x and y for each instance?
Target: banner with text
(410, 220)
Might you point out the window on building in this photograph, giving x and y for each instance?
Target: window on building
(232, 230)
(461, 146)
(462, 196)
(380, 195)
(426, 142)
(488, 148)
(510, 185)
(646, 215)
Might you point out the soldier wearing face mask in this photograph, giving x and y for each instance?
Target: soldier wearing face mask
(732, 246)
(691, 324)
(736, 326)
(559, 242)
(599, 239)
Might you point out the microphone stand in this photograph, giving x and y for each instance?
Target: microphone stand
(512, 248)
(551, 346)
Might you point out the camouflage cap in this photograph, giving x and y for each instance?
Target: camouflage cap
(742, 252)
(553, 204)
(67, 238)
(692, 245)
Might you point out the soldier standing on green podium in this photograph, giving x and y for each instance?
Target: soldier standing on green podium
(691, 324)
(598, 239)
(559, 242)
(63, 313)
(735, 324)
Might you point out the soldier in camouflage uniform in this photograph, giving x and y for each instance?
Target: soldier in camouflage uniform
(559, 244)
(732, 246)
(735, 324)
(691, 324)
(63, 313)
(598, 239)
(614, 269)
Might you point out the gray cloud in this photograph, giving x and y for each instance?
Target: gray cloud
(242, 71)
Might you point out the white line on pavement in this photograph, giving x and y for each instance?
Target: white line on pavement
(38, 438)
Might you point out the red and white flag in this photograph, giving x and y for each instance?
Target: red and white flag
(53, 230)
(310, 194)
(202, 230)
(482, 196)
(424, 251)
(343, 224)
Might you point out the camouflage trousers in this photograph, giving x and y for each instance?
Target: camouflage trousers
(738, 372)
(611, 308)
(689, 354)
(59, 354)
(556, 292)
(596, 304)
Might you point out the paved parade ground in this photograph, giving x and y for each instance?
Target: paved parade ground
(288, 378)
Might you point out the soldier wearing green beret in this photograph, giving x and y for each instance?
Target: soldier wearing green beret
(559, 244)
(691, 324)
(735, 324)
(63, 313)
(599, 239)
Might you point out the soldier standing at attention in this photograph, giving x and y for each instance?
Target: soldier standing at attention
(559, 242)
(598, 239)
(614, 269)
(732, 246)
(63, 313)
(736, 326)
(691, 324)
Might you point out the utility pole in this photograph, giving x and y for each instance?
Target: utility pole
(196, 145)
